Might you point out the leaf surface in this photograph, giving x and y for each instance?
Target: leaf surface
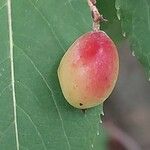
(33, 112)
(135, 22)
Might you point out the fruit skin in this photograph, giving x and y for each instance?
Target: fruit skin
(89, 69)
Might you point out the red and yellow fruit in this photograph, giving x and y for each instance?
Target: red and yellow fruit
(89, 69)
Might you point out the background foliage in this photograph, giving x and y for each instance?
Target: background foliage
(42, 32)
(135, 24)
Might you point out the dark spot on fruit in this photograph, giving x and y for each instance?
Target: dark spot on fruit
(80, 104)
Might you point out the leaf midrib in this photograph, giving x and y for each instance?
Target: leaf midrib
(12, 69)
(11, 49)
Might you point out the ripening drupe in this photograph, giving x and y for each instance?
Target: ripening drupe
(89, 69)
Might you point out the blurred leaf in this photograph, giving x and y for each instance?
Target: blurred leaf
(101, 141)
(33, 112)
(135, 23)
(113, 26)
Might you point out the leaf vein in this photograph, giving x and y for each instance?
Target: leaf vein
(36, 128)
(48, 23)
(5, 131)
(26, 87)
(12, 69)
(51, 91)
(3, 90)
(3, 6)
(3, 61)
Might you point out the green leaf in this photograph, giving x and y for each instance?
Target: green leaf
(33, 112)
(135, 22)
(112, 27)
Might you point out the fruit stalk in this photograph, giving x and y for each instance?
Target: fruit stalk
(96, 16)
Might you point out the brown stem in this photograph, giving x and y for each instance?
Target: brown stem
(97, 17)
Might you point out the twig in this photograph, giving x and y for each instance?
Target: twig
(97, 17)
